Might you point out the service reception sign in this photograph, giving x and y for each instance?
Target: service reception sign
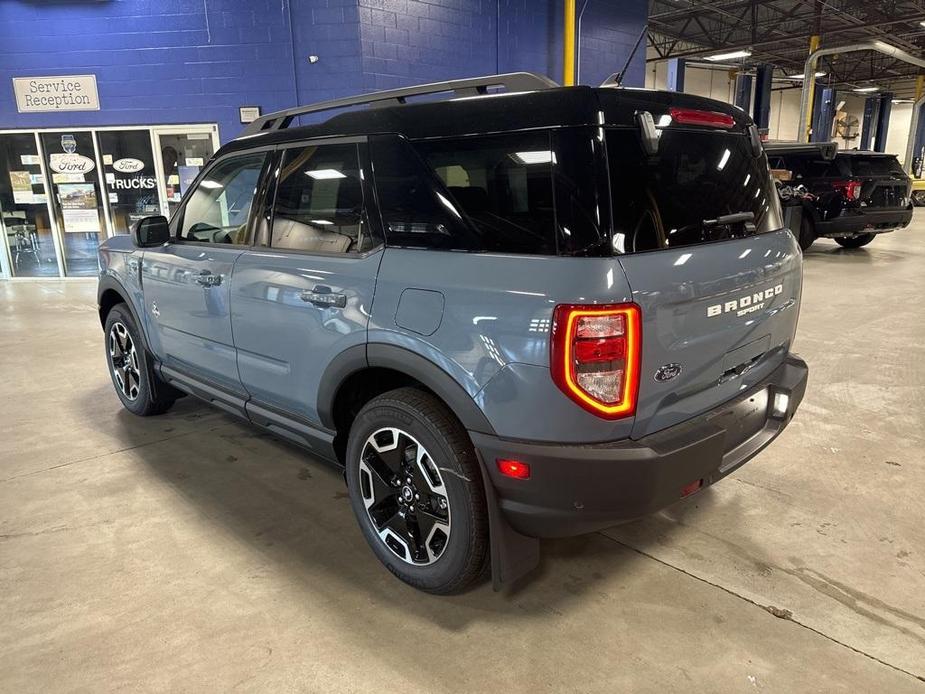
(61, 93)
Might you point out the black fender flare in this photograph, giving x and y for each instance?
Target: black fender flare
(404, 361)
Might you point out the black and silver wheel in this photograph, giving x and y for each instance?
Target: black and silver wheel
(918, 198)
(136, 385)
(404, 496)
(123, 360)
(416, 489)
(855, 241)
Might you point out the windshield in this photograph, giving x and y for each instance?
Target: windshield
(701, 186)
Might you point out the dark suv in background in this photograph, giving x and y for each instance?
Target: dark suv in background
(853, 195)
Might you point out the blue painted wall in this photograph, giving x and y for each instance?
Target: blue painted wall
(190, 61)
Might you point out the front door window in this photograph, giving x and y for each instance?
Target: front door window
(76, 198)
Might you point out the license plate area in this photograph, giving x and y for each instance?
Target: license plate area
(744, 418)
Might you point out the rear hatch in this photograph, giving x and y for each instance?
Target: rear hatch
(883, 183)
(703, 247)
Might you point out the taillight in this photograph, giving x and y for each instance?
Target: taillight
(693, 116)
(595, 356)
(851, 190)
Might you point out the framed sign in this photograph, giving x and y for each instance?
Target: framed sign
(59, 93)
(249, 114)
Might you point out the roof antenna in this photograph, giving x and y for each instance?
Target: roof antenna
(616, 79)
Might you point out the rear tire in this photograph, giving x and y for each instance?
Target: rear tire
(918, 198)
(855, 241)
(139, 389)
(416, 489)
(807, 232)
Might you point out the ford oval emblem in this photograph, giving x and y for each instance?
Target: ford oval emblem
(667, 372)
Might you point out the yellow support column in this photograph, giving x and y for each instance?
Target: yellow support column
(568, 45)
(919, 87)
(814, 42)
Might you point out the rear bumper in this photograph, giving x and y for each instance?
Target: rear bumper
(862, 221)
(575, 489)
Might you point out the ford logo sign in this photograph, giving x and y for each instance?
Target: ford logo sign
(667, 372)
(128, 165)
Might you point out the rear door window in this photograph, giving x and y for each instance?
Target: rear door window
(701, 186)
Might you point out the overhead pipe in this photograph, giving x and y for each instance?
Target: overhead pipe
(809, 71)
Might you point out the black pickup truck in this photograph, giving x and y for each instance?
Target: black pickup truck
(854, 195)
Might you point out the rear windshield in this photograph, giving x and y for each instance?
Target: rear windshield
(869, 165)
(701, 186)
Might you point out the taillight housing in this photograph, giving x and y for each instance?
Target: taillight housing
(851, 190)
(595, 356)
(695, 116)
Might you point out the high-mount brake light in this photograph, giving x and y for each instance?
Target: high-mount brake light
(694, 116)
(850, 189)
(595, 356)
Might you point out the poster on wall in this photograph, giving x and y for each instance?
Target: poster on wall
(78, 207)
(187, 176)
(21, 181)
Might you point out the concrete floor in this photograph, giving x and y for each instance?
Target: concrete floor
(190, 552)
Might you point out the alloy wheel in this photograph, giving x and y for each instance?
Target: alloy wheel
(123, 360)
(404, 495)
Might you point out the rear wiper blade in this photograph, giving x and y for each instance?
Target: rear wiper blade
(727, 219)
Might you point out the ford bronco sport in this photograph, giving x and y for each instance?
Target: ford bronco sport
(508, 315)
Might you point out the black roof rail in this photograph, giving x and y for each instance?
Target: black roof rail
(473, 86)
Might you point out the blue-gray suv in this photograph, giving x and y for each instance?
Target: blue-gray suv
(508, 310)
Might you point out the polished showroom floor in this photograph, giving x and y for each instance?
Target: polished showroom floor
(190, 552)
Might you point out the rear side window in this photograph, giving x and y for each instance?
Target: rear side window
(701, 186)
(503, 185)
(319, 201)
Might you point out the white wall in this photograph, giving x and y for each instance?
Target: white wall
(785, 104)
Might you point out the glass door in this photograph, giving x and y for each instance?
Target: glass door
(70, 158)
(183, 153)
(24, 217)
(129, 176)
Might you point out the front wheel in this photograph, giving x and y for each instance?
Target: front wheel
(138, 388)
(855, 241)
(416, 489)
(918, 198)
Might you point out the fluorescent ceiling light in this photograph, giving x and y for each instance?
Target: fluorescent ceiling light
(210, 184)
(866, 89)
(800, 76)
(723, 160)
(727, 56)
(922, 23)
(902, 101)
(538, 157)
(325, 174)
(322, 222)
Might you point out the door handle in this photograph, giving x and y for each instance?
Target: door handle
(323, 296)
(207, 279)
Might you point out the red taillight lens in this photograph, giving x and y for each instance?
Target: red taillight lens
(850, 189)
(514, 468)
(693, 116)
(595, 356)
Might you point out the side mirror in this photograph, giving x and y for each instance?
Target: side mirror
(151, 231)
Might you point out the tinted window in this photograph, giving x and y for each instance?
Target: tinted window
(503, 186)
(681, 195)
(864, 165)
(415, 206)
(219, 207)
(319, 201)
(810, 166)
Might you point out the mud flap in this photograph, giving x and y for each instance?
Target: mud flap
(512, 555)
